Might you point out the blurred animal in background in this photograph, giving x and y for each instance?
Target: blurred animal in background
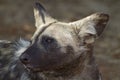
(57, 50)
(10, 66)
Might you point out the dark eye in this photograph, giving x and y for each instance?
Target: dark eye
(47, 40)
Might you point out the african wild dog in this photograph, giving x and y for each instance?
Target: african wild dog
(62, 51)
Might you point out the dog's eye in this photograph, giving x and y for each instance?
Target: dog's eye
(47, 40)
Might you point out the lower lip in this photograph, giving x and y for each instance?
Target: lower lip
(33, 69)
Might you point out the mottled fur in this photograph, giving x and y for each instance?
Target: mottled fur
(58, 50)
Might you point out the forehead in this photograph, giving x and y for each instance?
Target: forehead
(58, 30)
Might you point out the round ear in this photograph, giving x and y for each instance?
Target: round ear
(93, 24)
(41, 16)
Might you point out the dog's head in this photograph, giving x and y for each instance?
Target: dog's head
(56, 43)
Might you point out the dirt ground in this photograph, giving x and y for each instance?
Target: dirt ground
(16, 20)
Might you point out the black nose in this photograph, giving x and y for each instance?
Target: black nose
(24, 58)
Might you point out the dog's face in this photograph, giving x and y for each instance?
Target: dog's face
(52, 48)
(56, 44)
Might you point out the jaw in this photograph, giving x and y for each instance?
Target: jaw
(63, 70)
(32, 69)
(76, 67)
(61, 66)
(37, 68)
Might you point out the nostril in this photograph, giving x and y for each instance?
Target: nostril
(24, 58)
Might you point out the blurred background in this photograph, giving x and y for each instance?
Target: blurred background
(17, 20)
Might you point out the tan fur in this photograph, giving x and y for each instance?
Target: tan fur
(74, 44)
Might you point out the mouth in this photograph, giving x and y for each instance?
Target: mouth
(33, 68)
(37, 69)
